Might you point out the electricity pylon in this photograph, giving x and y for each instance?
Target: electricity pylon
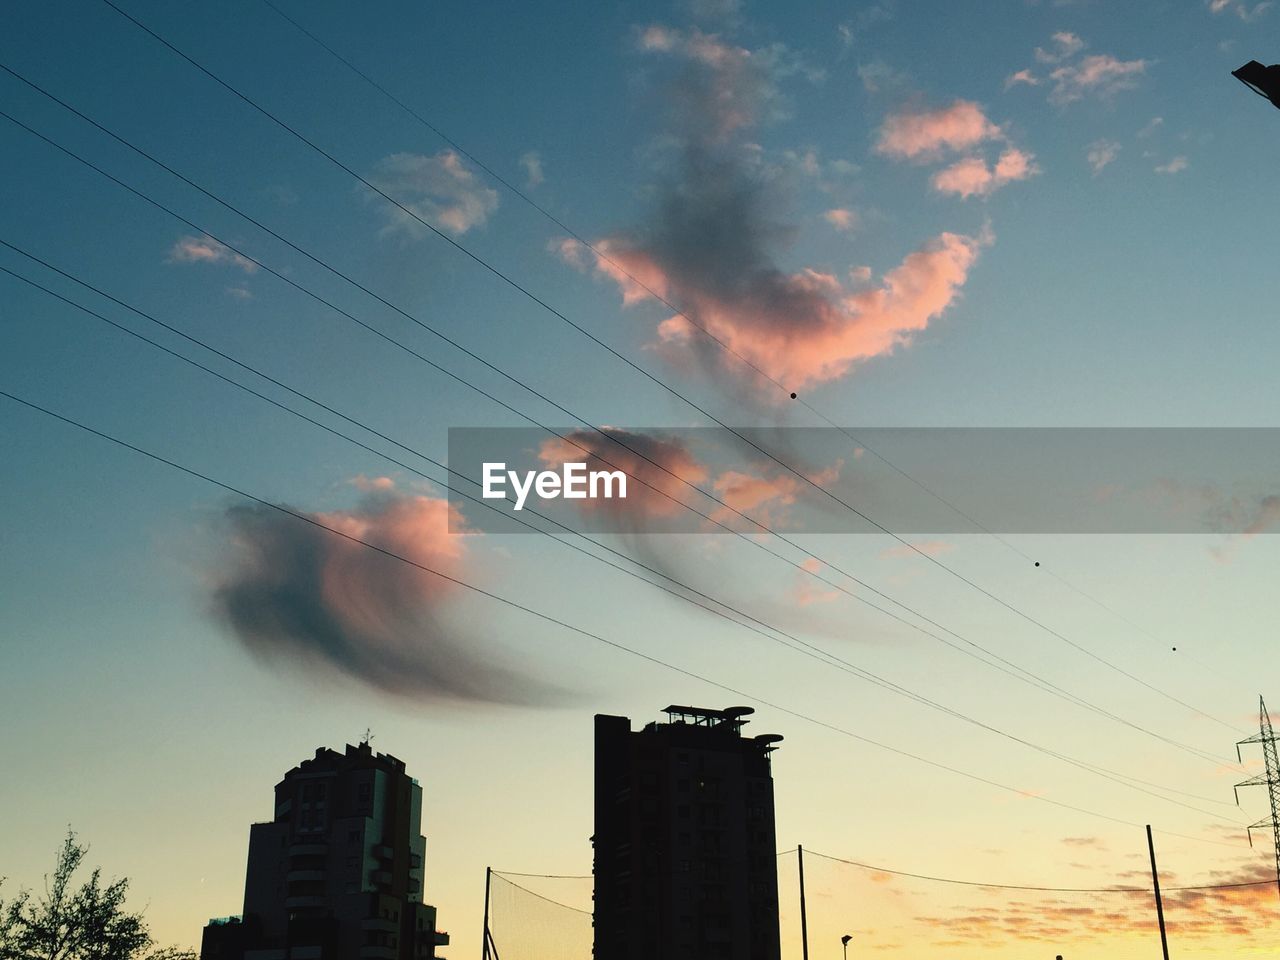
(1270, 778)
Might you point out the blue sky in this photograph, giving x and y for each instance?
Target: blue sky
(1124, 277)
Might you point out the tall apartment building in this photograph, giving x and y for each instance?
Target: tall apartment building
(338, 873)
(684, 848)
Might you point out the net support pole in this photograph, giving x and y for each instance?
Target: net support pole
(1155, 882)
(804, 919)
(488, 878)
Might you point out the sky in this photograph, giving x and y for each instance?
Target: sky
(1030, 214)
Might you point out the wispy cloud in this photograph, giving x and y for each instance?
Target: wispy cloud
(1064, 45)
(531, 162)
(1023, 76)
(1101, 153)
(1247, 12)
(205, 249)
(1074, 76)
(758, 495)
(1097, 75)
(440, 189)
(841, 218)
(1175, 165)
(730, 88)
(302, 598)
(1150, 127)
(1226, 914)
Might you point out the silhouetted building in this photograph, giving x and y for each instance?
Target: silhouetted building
(685, 856)
(337, 875)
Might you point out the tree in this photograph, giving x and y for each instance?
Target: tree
(66, 923)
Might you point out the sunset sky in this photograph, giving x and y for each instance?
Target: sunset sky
(1031, 213)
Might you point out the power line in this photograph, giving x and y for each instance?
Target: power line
(997, 885)
(555, 621)
(545, 305)
(1016, 886)
(1021, 673)
(796, 644)
(692, 321)
(727, 348)
(695, 323)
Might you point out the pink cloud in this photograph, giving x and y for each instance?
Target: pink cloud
(759, 497)
(972, 177)
(842, 219)
(829, 475)
(205, 249)
(806, 327)
(709, 245)
(808, 592)
(638, 278)
(924, 134)
(660, 473)
(370, 484)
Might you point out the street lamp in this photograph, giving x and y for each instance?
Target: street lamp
(844, 942)
(1264, 81)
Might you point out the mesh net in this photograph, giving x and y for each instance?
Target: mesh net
(540, 918)
(891, 915)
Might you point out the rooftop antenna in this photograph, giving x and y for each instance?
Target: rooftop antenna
(367, 738)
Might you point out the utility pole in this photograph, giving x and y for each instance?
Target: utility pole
(1269, 778)
(804, 919)
(1155, 881)
(488, 877)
